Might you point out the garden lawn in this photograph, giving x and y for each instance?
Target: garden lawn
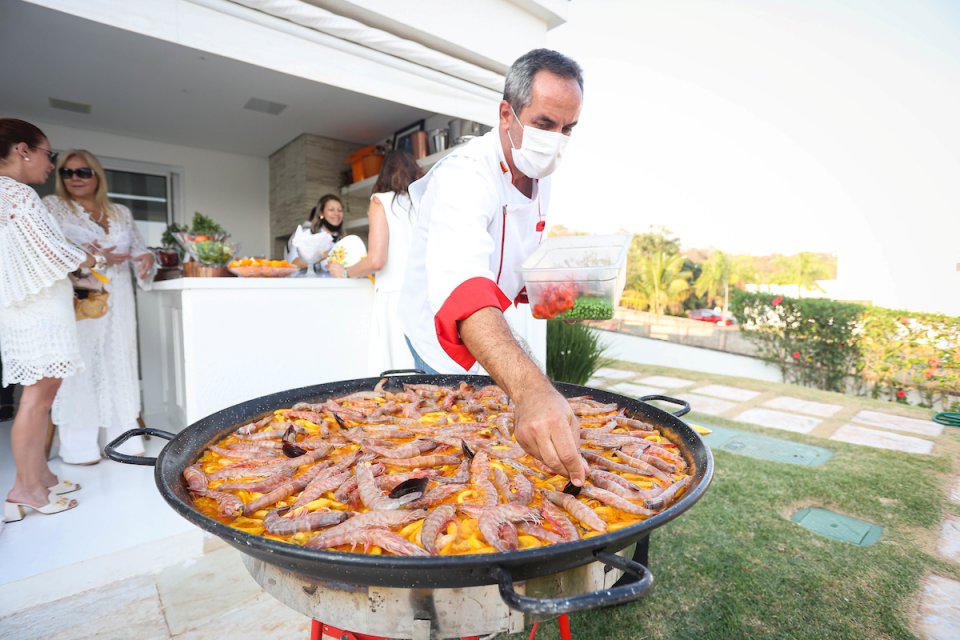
(735, 566)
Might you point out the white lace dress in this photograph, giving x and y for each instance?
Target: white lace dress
(107, 394)
(38, 333)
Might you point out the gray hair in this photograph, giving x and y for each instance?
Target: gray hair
(518, 87)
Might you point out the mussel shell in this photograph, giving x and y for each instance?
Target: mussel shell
(413, 485)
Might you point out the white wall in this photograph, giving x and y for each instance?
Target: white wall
(232, 189)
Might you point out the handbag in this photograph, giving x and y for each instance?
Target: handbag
(90, 299)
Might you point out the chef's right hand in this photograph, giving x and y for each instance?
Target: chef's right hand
(548, 430)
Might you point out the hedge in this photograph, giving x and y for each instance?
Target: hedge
(845, 347)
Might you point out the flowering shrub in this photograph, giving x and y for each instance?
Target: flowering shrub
(811, 339)
(839, 346)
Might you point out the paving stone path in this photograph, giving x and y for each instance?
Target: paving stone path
(938, 609)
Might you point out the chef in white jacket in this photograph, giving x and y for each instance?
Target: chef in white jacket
(481, 211)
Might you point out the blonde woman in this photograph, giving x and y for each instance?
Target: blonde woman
(107, 394)
(38, 334)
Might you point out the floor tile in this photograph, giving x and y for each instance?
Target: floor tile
(124, 610)
(955, 491)
(727, 393)
(779, 420)
(197, 592)
(899, 423)
(262, 617)
(616, 374)
(666, 382)
(706, 404)
(635, 390)
(881, 439)
(788, 403)
(938, 612)
(949, 544)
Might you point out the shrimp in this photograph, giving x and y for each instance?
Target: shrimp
(227, 503)
(461, 476)
(284, 490)
(522, 489)
(577, 509)
(480, 478)
(624, 421)
(615, 501)
(408, 450)
(383, 538)
(557, 519)
(497, 524)
(621, 486)
(365, 520)
(668, 495)
(292, 521)
(260, 486)
(372, 497)
(644, 467)
(436, 496)
(319, 486)
(434, 523)
(421, 461)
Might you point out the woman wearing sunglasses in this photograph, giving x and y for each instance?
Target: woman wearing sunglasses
(107, 394)
(38, 332)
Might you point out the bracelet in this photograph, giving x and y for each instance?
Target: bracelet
(100, 262)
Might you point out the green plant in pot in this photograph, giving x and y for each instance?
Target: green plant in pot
(206, 241)
(574, 352)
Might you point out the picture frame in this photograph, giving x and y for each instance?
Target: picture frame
(403, 138)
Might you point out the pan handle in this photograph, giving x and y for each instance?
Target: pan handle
(397, 372)
(684, 405)
(111, 449)
(603, 598)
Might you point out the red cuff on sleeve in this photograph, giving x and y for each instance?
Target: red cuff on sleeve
(521, 297)
(463, 302)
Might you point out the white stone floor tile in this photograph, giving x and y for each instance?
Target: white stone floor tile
(635, 390)
(939, 611)
(616, 374)
(779, 420)
(599, 383)
(123, 611)
(955, 491)
(666, 382)
(260, 618)
(727, 393)
(706, 404)
(899, 423)
(788, 403)
(197, 592)
(949, 544)
(881, 439)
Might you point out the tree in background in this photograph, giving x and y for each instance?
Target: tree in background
(803, 270)
(714, 277)
(661, 283)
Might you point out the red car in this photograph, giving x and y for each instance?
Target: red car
(709, 315)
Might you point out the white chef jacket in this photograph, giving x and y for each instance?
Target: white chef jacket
(473, 231)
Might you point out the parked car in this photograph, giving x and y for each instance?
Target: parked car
(709, 315)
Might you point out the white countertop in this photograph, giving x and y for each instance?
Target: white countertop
(182, 284)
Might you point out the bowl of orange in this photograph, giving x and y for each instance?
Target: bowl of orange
(261, 268)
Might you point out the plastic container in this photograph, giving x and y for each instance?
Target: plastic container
(577, 277)
(365, 162)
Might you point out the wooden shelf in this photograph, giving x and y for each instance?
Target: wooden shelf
(364, 188)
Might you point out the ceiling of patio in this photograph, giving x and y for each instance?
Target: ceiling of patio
(147, 88)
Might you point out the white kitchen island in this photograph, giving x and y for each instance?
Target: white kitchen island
(210, 343)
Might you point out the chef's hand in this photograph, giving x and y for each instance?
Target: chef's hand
(144, 264)
(548, 430)
(335, 269)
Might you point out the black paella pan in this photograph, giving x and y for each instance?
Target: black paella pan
(502, 568)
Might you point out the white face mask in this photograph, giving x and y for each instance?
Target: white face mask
(540, 152)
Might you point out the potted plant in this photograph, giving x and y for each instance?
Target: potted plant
(170, 253)
(209, 246)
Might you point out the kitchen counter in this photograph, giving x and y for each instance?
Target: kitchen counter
(209, 343)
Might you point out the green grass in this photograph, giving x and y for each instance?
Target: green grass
(735, 566)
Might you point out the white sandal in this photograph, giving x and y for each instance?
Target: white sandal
(64, 486)
(15, 511)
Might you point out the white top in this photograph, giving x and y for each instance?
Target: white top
(473, 231)
(399, 225)
(33, 251)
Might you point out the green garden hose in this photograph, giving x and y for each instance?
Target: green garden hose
(948, 418)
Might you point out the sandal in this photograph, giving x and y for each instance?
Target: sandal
(64, 486)
(15, 511)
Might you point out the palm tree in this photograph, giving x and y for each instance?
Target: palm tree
(661, 283)
(803, 270)
(714, 277)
